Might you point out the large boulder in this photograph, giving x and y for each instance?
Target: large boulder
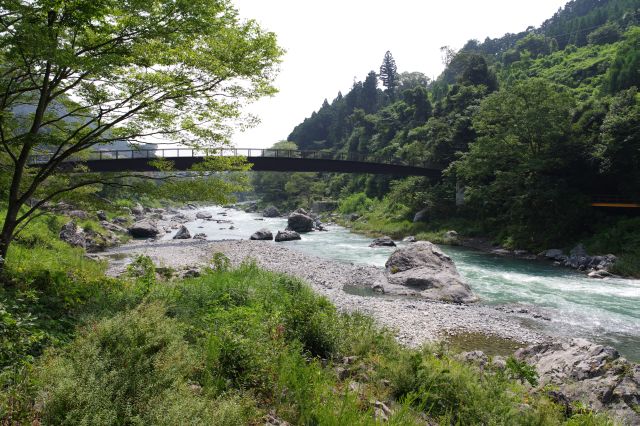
(89, 240)
(262, 234)
(71, 234)
(383, 242)
(584, 372)
(300, 223)
(144, 229)
(182, 234)
(424, 267)
(271, 211)
(204, 215)
(287, 235)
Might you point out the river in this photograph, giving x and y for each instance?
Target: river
(605, 311)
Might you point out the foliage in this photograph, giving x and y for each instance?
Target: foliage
(135, 368)
(522, 371)
(355, 203)
(389, 72)
(82, 74)
(524, 139)
(625, 69)
(608, 33)
(455, 393)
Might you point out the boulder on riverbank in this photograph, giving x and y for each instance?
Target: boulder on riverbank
(204, 215)
(579, 259)
(300, 222)
(144, 229)
(424, 267)
(72, 235)
(182, 234)
(271, 211)
(262, 234)
(582, 371)
(383, 242)
(88, 239)
(287, 235)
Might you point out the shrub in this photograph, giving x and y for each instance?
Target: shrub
(134, 368)
(356, 203)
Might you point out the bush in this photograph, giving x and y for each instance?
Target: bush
(453, 392)
(356, 203)
(135, 368)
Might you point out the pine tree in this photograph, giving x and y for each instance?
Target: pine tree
(389, 72)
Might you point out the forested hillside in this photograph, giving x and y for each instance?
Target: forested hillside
(532, 126)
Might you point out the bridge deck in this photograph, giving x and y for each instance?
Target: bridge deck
(262, 160)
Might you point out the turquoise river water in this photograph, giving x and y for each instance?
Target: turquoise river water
(606, 311)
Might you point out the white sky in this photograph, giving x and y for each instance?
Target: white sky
(331, 42)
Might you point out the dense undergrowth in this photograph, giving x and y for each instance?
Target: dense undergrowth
(228, 347)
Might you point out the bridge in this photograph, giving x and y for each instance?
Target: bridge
(274, 160)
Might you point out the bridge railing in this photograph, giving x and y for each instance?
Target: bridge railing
(170, 153)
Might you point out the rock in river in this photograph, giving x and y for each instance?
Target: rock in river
(144, 229)
(383, 242)
(423, 266)
(300, 223)
(287, 236)
(182, 234)
(262, 234)
(271, 211)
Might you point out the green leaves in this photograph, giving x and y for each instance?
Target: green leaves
(76, 74)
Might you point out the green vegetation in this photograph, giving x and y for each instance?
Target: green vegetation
(531, 127)
(81, 75)
(228, 347)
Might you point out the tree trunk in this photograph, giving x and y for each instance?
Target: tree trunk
(6, 235)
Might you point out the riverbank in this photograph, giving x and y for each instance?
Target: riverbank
(548, 300)
(415, 321)
(581, 371)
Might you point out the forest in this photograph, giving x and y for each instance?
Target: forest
(532, 126)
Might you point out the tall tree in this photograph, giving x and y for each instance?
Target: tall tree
(389, 72)
(93, 72)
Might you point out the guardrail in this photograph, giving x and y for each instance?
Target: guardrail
(230, 152)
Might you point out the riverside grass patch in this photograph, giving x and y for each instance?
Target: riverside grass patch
(233, 345)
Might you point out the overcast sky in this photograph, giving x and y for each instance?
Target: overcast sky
(332, 42)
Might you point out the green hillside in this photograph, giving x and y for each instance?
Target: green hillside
(532, 125)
